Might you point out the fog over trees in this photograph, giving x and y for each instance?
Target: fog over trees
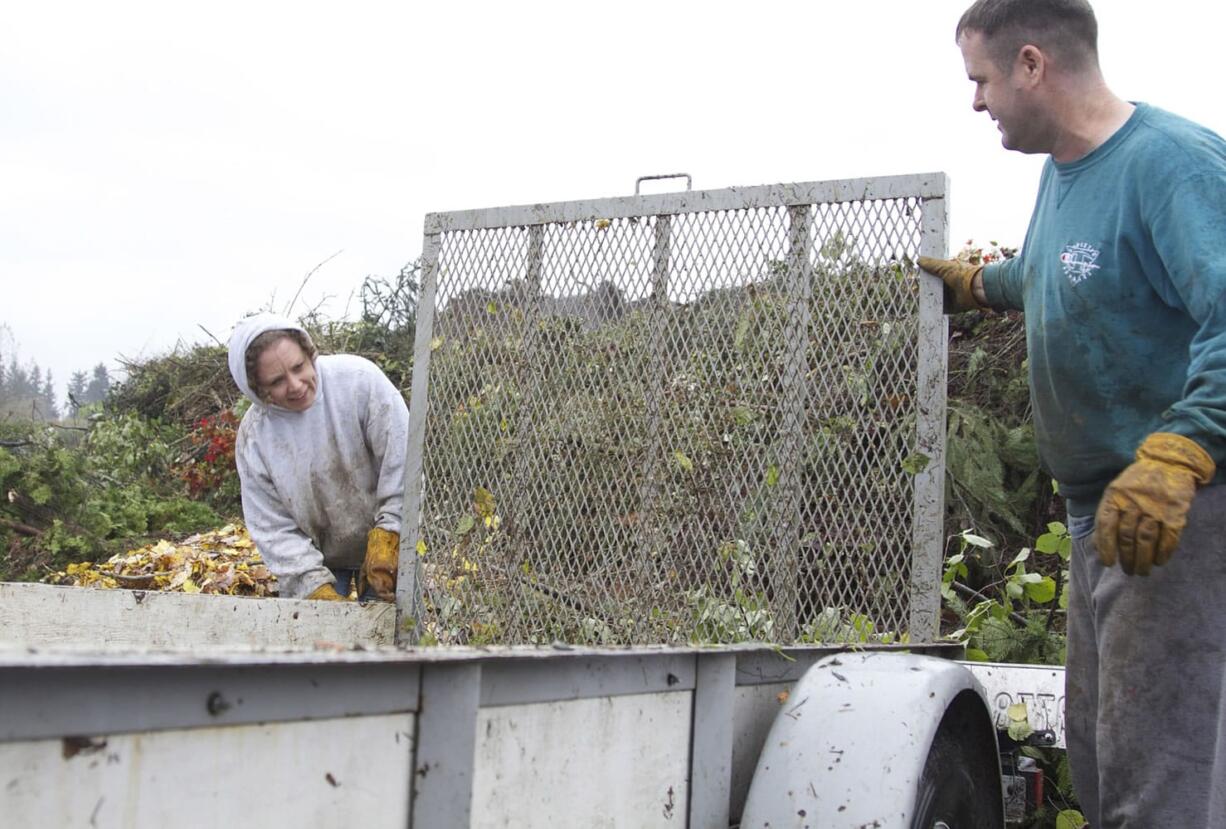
(29, 392)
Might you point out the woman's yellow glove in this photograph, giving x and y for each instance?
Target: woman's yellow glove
(326, 593)
(1144, 510)
(382, 560)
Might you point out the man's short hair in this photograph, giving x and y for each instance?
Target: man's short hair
(1065, 29)
(261, 344)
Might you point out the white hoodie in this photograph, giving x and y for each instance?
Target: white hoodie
(315, 482)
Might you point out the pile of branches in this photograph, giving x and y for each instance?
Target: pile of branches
(184, 386)
(994, 483)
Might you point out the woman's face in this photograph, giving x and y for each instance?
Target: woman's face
(286, 376)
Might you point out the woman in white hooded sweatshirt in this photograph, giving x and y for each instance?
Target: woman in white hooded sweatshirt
(321, 456)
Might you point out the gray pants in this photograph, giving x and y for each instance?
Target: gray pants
(1145, 685)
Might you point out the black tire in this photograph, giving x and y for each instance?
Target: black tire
(959, 788)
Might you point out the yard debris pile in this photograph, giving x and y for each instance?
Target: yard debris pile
(219, 561)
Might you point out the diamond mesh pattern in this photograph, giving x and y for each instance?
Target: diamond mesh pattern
(666, 428)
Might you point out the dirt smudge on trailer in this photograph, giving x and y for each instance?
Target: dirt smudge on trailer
(72, 746)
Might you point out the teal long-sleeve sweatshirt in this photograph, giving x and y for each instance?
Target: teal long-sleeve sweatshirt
(1122, 279)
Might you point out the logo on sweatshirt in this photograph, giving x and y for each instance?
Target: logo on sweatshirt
(1079, 261)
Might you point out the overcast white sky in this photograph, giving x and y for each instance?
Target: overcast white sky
(170, 165)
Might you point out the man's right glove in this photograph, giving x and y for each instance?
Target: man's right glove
(326, 593)
(1144, 510)
(959, 277)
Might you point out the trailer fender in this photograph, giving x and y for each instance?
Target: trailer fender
(849, 745)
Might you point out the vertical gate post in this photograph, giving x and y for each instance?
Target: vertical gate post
(652, 537)
(409, 604)
(928, 522)
(786, 555)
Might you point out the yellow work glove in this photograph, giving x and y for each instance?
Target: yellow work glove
(1144, 510)
(379, 569)
(326, 593)
(958, 277)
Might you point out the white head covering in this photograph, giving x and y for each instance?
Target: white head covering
(246, 331)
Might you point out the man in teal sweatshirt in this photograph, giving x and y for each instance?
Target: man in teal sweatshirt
(1122, 279)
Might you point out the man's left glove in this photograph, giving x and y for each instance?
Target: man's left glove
(1144, 510)
(379, 568)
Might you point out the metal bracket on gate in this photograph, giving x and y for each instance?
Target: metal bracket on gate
(689, 181)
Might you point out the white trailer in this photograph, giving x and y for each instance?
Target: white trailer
(350, 731)
(793, 520)
(353, 734)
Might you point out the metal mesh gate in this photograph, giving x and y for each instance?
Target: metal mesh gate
(707, 416)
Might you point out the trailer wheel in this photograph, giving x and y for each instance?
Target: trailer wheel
(955, 791)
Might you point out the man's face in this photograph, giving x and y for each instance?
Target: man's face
(1004, 95)
(286, 377)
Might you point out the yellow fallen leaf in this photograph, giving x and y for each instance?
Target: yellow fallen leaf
(483, 501)
(1019, 724)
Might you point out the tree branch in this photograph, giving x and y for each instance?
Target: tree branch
(17, 526)
(307, 278)
(210, 333)
(972, 593)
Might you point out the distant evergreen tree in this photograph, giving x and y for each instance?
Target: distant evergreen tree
(26, 393)
(23, 395)
(76, 392)
(51, 410)
(6, 341)
(18, 384)
(98, 386)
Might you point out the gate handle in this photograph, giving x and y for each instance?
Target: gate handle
(688, 181)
